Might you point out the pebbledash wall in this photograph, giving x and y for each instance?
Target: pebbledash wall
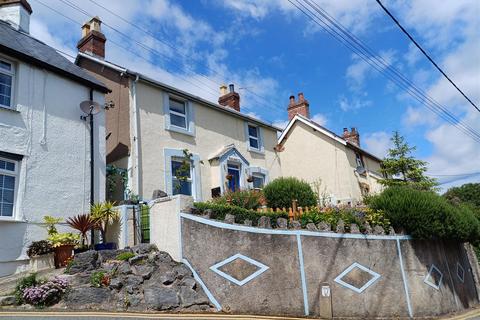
(282, 272)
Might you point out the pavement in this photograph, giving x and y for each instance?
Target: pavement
(47, 315)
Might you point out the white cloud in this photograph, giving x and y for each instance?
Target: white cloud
(353, 104)
(418, 116)
(377, 143)
(320, 119)
(282, 124)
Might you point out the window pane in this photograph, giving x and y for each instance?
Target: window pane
(176, 164)
(5, 89)
(9, 182)
(6, 210)
(7, 196)
(253, 131)
(3, 164)
(6, 80)
(178, 121)
(178, 106)
(182, 187)
(254, 143)
(10, 166)
(4, 101)
(258, 182)
(5, 66)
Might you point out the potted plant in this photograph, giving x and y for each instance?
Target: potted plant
(63, 244)
(250, 179)
(41, 256)
(229, 177)
(83, 223)
(104, 215)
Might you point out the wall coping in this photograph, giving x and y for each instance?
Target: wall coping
(224, 225)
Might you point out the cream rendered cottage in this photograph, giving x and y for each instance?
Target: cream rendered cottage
(311, 152)
(152, 123)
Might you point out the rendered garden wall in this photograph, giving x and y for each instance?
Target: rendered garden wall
(281, 272)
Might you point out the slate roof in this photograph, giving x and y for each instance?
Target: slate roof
(26, 48)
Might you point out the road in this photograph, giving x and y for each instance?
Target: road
(35, 315)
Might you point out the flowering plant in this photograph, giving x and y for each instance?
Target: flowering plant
(47, 293)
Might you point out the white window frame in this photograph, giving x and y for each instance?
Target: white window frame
(359, 160)
(179, 114)
(190, 179)
(261, 176)
(253, 137)
(16, 175)
(259, 138)
(12, 89)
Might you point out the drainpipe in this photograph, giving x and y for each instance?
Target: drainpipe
(136, 133)
(92, 168)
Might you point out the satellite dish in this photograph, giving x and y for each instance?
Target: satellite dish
(90, 107)
(360, 170)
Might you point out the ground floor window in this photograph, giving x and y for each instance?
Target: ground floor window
(8, 177)
(181, 177)
(258, 180)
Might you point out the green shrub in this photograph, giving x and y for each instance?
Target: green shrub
(99, 279)
(248, 199)
(219, 211)
(426, 215)
(124, 256)
(280, 192)
(22, 284)
(38, 248)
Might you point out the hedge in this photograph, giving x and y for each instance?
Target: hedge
(426, 215)
(219, 211)
(280, 192)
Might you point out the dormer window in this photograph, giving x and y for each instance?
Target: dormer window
(6, 83)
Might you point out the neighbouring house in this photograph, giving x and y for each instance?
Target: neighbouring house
(153, 123)
(311, 152)
(44, 144)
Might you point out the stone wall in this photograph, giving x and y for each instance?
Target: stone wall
(287, 272)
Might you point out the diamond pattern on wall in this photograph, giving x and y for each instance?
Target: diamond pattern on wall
(239, 269)
(434, 277)
(357, 277)
(460, 272)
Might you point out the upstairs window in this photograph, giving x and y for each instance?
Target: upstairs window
(8, 177)
(178, 113)
(359, 160)
(6, 83)
(253, 137)
(181, 177)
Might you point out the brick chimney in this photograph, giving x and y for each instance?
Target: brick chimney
(229, 99)
(301, 107)
(353, 136)
(17, 13)
(93, 40)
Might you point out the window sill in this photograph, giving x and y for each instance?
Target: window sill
(12, 220)
(262, 152)
(180, 130)
(14, 109)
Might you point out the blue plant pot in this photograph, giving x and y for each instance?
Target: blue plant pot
(106, 246)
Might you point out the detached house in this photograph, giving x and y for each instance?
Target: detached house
(152, 123)
(311, 152)
(44, 144)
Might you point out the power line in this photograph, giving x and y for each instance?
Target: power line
(455, 175)
(426, 54)
(350, 41)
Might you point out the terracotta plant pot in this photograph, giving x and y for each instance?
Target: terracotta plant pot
(229, 177)
(250, 179)
(62, 254)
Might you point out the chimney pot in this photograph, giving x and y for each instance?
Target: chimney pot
(300, 97)
(292, 100)
(93, 40)
(229, 99)
(223, 89)
(231, 88)
(301, 107)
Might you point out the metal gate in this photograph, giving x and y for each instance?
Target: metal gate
(142, 217)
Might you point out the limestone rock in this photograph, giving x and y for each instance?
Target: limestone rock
(368, 228)
(159, 194)
(144, 248)
(143, 270)
(189, 297)
(354, 228)
(340, 226)
(207, 214)
(378, 230)
(229, 218)
(181, 271)
(282, 223)
(162, 257)
(295, 225)
(167, 278)
(161, 298)
(264, 222)
(138, 259)
(324, 227)
(392, 232)
(248, 223)
(311, 226)
(116, 284)
(124, 268)
(85, 297)
(7, 301)
(105, 255)
(85, 261)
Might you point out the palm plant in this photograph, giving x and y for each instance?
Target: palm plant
(104, 215)
(83, 223)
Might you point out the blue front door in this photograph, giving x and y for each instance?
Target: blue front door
(234, 172)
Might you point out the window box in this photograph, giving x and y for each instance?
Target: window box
(42, 262)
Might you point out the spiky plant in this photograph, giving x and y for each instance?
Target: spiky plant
(104, 214)
(83, 223)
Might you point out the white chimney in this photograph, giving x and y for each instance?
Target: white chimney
(17, 13)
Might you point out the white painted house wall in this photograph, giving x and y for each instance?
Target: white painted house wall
(54, 176)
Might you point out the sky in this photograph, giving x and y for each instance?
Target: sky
(269, 50)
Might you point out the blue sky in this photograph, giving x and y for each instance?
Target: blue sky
(272, 49)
